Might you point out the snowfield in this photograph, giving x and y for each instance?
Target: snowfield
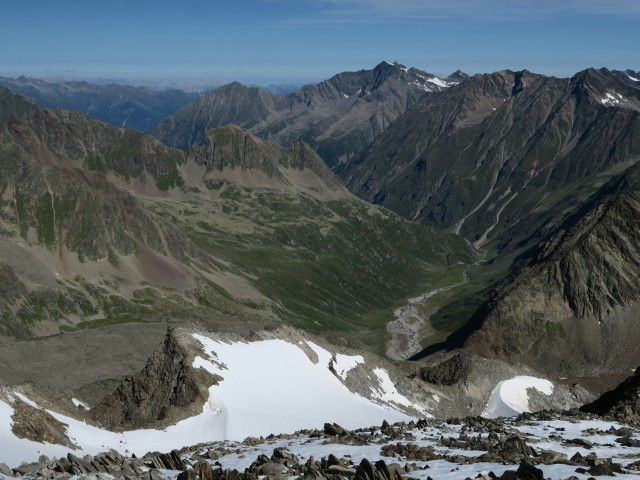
(269, 387)
(276, 387)
(272, 386)
(511, 398)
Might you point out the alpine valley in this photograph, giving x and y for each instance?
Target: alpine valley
(375, 277)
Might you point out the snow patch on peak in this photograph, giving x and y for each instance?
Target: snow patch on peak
(511, 398)
(612, 100)
(439, 82)
(422, 86)
(634, 79)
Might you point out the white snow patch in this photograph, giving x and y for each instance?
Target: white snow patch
(633, 78)
(611, 100)
(78, 403)
(272, 386)
(268, 387)
(510, 397)
(345, 95)
(423, 87)
(437, 81)
(344, 363)
(387, 392)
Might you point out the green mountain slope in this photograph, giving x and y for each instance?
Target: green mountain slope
(102, 225)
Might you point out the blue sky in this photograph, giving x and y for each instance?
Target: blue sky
(285, 41)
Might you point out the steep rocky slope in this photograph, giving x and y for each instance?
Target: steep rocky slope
(574, 309)
(502, 158)
(121, 105)
(337, 117)
(102, 225)
(622, 403)
(167, 389)
(628, 76)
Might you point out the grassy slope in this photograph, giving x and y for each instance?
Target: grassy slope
(313, 257)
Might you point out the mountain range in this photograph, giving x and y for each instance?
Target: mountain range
(486, 226)
(121, 105)
(502, 158)
(114, 226)
(337, 117)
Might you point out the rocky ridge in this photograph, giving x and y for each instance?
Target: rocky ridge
(621, 403)
(124, 106)
(502, 158)
(572, 310)
(167, 389)
(337, 117)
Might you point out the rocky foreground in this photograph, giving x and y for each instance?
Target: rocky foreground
(547, 445)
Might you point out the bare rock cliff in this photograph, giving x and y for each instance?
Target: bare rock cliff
(167, 389)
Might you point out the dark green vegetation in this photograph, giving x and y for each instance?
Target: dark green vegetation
(338, 117)
(104, 226)
(120, 105)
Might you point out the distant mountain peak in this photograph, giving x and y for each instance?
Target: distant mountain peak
(337, 117)
(457, 76)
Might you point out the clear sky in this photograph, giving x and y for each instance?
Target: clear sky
(295, 41)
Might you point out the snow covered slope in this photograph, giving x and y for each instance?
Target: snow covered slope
(511, 397)
(269, 386)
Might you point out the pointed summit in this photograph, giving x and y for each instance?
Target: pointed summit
(457, 76)
(338, 117)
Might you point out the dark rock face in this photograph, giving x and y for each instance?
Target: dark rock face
(449, 372)
(338, 117)
(501, 157)
(334, 429)
(628, 76)
(574, 309)
(166, 389)
(621, 403)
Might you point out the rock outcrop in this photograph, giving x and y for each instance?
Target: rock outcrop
(36, 424)
(621, 403)
(167, 389)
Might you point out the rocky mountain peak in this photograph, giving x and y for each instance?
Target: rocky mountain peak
(605, 88)
(166, 390)
(230, 147)
(337, 117)
(457, 76)
(14, 105)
